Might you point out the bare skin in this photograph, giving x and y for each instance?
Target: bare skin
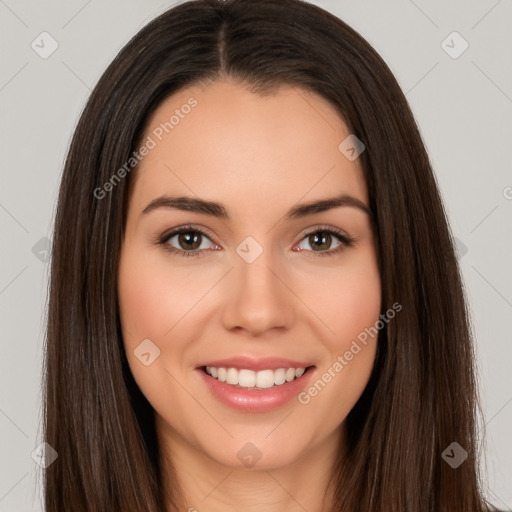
(259, 157)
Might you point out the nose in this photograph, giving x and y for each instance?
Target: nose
(258, 297)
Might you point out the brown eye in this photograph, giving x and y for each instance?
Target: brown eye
(189, 240)
(186, 241)
(320, 240)
(325, 242)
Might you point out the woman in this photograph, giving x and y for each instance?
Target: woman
(255, 301)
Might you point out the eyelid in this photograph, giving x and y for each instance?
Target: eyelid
(184, 229)
(166, 236)
(324, 227)
(345, 239)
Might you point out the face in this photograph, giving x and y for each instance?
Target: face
(253, 282)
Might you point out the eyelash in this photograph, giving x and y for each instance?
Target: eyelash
(346, 241)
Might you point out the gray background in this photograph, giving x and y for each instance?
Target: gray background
(463, 107)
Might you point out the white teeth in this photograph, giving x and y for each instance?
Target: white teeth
(232, 376)
(246, 378)
(221, 373)
(299, 372)
(279, 376)
(265, 379)
(262, 379)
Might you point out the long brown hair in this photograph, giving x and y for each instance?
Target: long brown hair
(422, 393)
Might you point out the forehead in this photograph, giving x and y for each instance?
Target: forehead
(225, 143)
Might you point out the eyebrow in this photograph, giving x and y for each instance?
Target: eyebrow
(191, 204)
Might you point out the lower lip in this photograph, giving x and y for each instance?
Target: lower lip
(256, 400)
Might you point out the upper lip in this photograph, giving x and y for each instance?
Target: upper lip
(249, 363)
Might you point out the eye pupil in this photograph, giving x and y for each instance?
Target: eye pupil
(190, 241)
(189, 238)
(320, 240)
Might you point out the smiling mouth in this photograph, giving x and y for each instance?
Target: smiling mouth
(257, 380)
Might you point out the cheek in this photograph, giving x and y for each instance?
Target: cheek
(158, 299)
(348, 302)
(357, 303)
(153, 297)
(346, 299)
(152, 300)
